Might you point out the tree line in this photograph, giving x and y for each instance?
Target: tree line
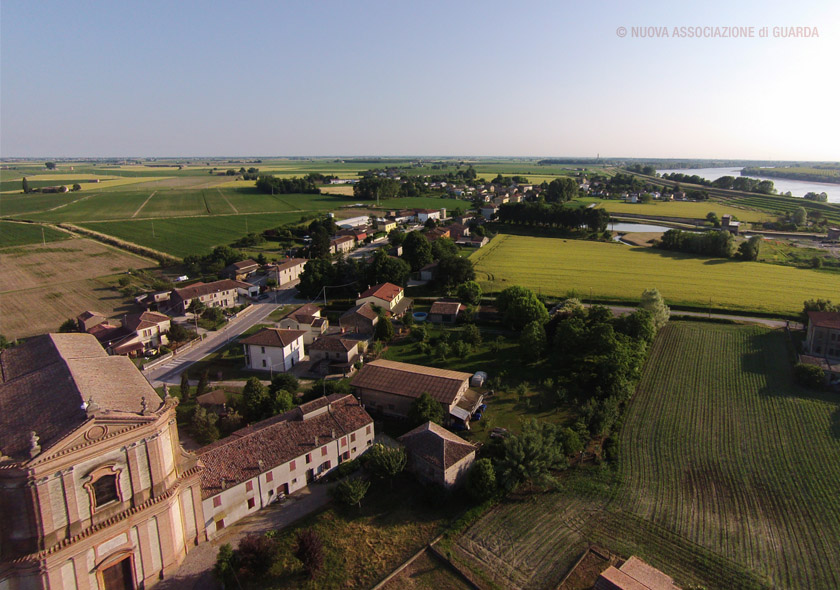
(554, 215)
(270, 184)
(717, 244)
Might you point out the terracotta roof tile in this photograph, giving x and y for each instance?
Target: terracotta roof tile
(385, 291)
(410, 380)
(436, 445)
(278, 440)
(445, 308)
(273, 337)
(199, 289)
(333, 344)
(824, 319)
(365, 310)
(289, 263)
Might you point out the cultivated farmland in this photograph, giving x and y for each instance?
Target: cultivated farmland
(20, 234)
(616, 272)
(727, 477)
(680, 209)
(45, 285)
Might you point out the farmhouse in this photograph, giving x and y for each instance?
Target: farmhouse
(634, 574)
(286, 271)
(308, 319)
(342, 244)
(823, 336)
(438, 456)
(239, 271)
(390, 388)
(334, 354)
(273, 458)
(97, 491)
(388, 296)
(222, 293)
(445, 312)
(271, 349)
(360, 319)
(424, 215)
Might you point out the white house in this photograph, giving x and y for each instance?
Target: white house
(272, 349)
(278, 456)
(388, 296)
(286, 271)
(424, 215)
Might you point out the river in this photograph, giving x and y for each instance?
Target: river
(797, 188)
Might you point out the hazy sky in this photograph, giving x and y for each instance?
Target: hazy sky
(321, 77)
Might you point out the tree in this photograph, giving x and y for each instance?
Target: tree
(281, 401)
(561, 190)
(255, 555)
(749, 249)
(50, 165)
(196, 307)
(319, 246)
(712, 218)
(520, 306)
(443, 247)
(26, 188)
(225, 568)
(203, 382)
(653, 302)
(351, 491)
(454, 270)
(316, 273)
(384, 269)
(385, 462)
(810, 376)
(531, 455)
(396, 237)
(417, 251)
(384, 330)
(638, 325)
(185, 386)
(255, 400)
(469, 292)
(532, 341)
(68, 326)
(430, 224)
(271, 284)
(800, 216)
(425, 409)
(471, 335)
(284, 381)
(77, 187)
(481, 480)
(213, 314)
(310, 551)
(178, 333)
(203, 425)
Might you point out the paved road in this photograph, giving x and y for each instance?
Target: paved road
(170, 371)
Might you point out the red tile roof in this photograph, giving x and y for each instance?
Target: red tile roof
(410, 380)
(273, 337)
(289, 263)
(147, 319)
(445, 308)
(278, 440)
(824, 319)
(333, 344)
(634, 574)
(436, 445)
(364, 309)
(199, 289)
(385, 291)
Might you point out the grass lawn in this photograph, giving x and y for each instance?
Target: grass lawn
(727, 477)
(506, 408)
(20, 234)
(680, 209)
(616, 272)
(363, 545)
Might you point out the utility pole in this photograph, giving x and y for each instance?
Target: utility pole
(153, 229)
(43, 238)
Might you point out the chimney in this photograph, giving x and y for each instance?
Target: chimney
(332, 433)
(316, 440)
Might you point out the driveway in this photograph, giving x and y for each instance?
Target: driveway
(170, 371)
(196, 573)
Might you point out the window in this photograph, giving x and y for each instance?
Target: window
(346, 455)
(309, 458)
(264, 363)
(220, 524)
(262, 349)
(367, 430)
(353, 437)
(105, 490)
(251, 503)
(292, 466)
(249, 486)
(344, 441)
(269, 476)
(217, 501)
(323, 451)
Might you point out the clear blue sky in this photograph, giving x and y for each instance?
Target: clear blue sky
(322, 77)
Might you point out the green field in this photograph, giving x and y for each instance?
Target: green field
(20, 234)
(682, 209)
(727, 477)
(616, 272)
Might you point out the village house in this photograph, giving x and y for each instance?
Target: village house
(357, 234)
(278, 456)
(334, 354)
(402, 216)
(823, 336)
(457, 231)
(222, 293)
(360, 319)
(385, 225)
(424, 215)
(308, 319)
(438, 456)
(388, 296)
(272, 349)
(342, 244)
(286, 271)
(239, 271)
(95, 488)
(390, 388)
(140, 332)
(445, 312)
(726, 224)
(489, 211)
(437, 233)
(429, 272)
(88, 319)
